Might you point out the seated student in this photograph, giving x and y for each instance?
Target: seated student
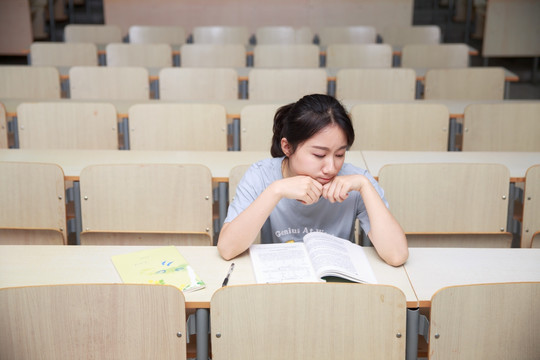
(306, 187)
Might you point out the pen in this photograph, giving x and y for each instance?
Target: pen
(226, 280)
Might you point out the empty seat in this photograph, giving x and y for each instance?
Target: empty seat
(213, 55)
(256, 126)
(347, 35)
(221, 35)
(435, 56)
(63, 54)
(202, 84)
(286, 84)
(29, 82)
(147, 55)
(98, 34)
(530, 232)
(286, 56)
(399, 35)
(358, 56)
(376, 84)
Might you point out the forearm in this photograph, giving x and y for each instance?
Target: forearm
(236, 237)
(386, 234)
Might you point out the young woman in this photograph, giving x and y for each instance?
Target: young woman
(306, 186)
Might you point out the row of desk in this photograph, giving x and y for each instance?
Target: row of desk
(426, 271)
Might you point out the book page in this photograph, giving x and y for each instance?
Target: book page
(279, 263)
(163, 265)
(333, 256)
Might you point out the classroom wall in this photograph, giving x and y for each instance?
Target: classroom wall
(255, 13)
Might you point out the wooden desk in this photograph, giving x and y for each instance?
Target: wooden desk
(25, 265)
(431, 269)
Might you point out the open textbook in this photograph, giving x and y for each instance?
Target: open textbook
(162, 265)
(320, 255)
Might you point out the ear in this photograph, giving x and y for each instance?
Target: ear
(286, 147)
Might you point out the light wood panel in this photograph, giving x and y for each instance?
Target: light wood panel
(502, 127)
(98, 34)
(178, 127)
(63, 54)
(485, 83)
(435, 56)
(256, 126)
(151, 198)
(3, 128)
(286, 84)
(347, 35)
(33, 201)
(531, 208)
(155, 34)
(223, 34)
(103, 82)
(198, 84)
(120, 321)
(286, 56)
(399, 35)
(29, 82)
(376, 84)
(147, 55)
(495, 321)
(359, 56)
(283, 35)
(213, 55)
(449, 198)
(73, 125)
(295, 321)
(400, 127)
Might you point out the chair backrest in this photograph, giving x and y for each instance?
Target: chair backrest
(502, 127)
(275, 35)
(33, 198)
(286, 84)
(256, 126)
(155, 34)
(98, 34)
(420, 127)
(110, 83)
(67, 125)
(150, 204)
(359, 56)
(198, 84)
(488, 321)
(399, 35)
(449, 198)
(221, 35)
(360, 325)
(478, 83)
(63, 54)
(376, 84)
(213, 55)
(3, 127)
(531, 208)
(435, 56)
(120, 321)
(178, 127)
(30, 82)
(347, 35)
(286, 56)
(147, 55)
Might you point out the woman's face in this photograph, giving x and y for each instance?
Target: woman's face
(320, 157)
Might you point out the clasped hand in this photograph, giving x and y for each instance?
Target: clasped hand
(308, 190)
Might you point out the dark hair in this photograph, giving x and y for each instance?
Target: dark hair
(299, 121)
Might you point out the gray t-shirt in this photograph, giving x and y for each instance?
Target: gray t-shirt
(290, 219)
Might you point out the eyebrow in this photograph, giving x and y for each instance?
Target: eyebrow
(327, 149)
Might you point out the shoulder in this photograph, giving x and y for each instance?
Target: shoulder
(264, 171)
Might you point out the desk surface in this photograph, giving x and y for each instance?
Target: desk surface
(25, 265)
(430, 269)
(220, 163)
(516, 162)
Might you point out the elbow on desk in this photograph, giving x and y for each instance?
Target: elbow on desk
(226, 252)
(397, 258)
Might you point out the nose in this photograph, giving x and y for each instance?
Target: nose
(329, 166)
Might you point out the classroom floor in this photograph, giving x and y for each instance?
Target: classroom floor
(426, 12)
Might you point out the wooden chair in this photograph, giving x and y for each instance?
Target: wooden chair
(359, 56)
(146, 204)
(413, 127)
(98, 34)
(286, 84)
(477, 83)
(155, 34)
(29, 82)
(221, 35)
(530, 232)
(286, 56)
(3, 127)
(213, 55)
(102, 321)
(488, 321)
(399, 35)
(283, 35)
(287, 321)
(202, 84)
(178, 127)
(256, 126)
(33, 198)
(73, 125)
(110, 83)
(376, 84)
(435, 56)
(63, 54)
(449, 204)
(146, 55)
(502, 127)
(347, 35)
